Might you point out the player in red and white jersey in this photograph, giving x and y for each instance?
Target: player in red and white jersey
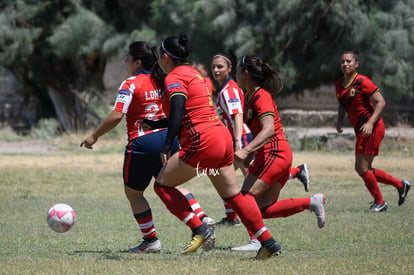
(355, 93)
(230, 101)
(141, 97)
(206, 147)
(269, 171)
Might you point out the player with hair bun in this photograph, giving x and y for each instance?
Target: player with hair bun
(271, 152)
(355, 93)
(206, 145)
(141, 97)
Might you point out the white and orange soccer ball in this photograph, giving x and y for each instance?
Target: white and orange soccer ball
(61, 217)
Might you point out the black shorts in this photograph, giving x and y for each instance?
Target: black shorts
(142, 159)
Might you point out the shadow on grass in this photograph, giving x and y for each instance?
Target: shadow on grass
(110, 254)
(118, 255)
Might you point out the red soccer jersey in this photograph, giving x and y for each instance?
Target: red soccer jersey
(259, 105)
(200, 112)
(209, 84)
(230, 102)
(139, 98)
(355, 98)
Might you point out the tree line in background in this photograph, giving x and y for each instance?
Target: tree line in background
(57, 49)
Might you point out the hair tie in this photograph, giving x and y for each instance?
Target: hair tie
(169, 53)
(225, 58)
(243, 61)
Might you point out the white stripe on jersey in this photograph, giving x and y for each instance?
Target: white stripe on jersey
(229, 103)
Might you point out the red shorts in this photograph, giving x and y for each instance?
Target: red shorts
(370, 145)
(210, 148)
(273, 163)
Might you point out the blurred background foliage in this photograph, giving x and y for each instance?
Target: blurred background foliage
(57, 49)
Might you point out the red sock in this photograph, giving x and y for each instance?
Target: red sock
(294, 171)
(383, 177)
(195, 205)
(230, 214)
(178, 205)
(250, 215)
(145, 224)
(251, 234)
(372, 186)
(286, 208)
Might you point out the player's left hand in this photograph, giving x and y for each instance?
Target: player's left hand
(244, 158)
(366, 129)
(142, 125)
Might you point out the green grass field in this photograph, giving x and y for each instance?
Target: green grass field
(352, 241)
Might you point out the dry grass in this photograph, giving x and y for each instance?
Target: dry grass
(352, 242)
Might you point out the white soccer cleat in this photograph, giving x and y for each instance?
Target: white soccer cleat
(316, 205)
(252, 246)
(147, 247)
(303, 176)
(377, 207)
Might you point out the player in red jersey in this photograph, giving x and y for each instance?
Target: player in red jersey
(206, 149)
(141, 97)
(230, 100)
(355, 93)
(269, 171)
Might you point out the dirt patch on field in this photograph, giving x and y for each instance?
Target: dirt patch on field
(327, 134)
(26, 147)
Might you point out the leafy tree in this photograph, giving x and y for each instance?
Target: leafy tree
(57, 50)
(304, 39)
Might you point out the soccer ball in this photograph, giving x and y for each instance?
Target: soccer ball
(61, 217)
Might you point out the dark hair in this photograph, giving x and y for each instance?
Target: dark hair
(261, 72)
(340, 74)
(147, 54)
(176, 48)
(229, 57)
(354, 53)
(142, 51)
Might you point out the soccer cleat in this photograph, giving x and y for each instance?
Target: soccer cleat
(209, 243)
(303, 176)
(227, 222)
(147, 247)
(197, 241)
(316, 205)
(267, 252)
(403, 191)
(377, 207)
(252, 246)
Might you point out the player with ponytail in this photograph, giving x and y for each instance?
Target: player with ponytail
(230, 100)
(140, 97)
(206, 145)
(269, 171)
